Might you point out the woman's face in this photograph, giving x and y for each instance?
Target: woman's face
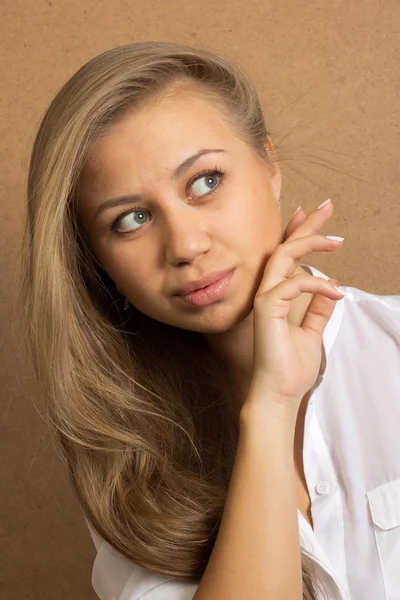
(184, 226)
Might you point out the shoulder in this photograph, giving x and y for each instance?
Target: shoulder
(115, 577)
(375, 301)
(144, 585)
(379, 311)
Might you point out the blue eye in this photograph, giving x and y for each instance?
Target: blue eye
(135, 209)
(208, 176)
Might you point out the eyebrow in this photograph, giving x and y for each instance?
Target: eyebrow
(177, 172)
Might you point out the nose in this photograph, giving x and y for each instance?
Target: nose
(185, 235)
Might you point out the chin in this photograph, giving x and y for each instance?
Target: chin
(219, 318)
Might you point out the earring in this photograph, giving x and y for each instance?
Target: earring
(279, 205)
(126, 302)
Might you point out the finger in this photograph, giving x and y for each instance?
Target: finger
(286, 258)
(318, 313)
(313, 222)
(294, 222)
(276, 303)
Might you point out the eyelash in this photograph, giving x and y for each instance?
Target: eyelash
(217, 171)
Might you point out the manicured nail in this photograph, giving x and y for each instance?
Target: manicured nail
(324, 203)
(339, 290)
(296, 211)
(335, 238)
(334, 281)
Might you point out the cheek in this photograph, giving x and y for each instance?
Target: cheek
(131, 270)
(254, 225)
(267, 232)
(120, 264)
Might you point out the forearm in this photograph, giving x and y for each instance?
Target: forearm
(257, 550)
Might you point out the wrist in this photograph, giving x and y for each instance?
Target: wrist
(269, 410)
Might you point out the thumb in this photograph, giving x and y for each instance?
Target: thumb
(319, 312)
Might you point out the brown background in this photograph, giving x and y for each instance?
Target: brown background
(328, 77)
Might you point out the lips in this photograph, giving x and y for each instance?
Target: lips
(201, 283)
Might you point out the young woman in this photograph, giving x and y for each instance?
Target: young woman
(232, 434)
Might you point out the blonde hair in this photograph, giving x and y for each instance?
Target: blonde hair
(142, 411)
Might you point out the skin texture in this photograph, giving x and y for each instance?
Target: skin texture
(186, 232)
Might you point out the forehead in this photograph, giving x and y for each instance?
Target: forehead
(162, 133)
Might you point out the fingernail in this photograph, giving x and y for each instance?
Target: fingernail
(324, 203)
(336, 238)
(337, 287)
(296, 211)
(338, 290)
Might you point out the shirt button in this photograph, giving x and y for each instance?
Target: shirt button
(322, 487)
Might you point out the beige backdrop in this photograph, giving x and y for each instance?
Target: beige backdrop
(328, 76)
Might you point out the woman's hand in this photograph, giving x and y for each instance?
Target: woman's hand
(287, 358)
(294, 222)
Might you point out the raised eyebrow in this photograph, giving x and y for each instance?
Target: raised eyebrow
(189, 161)
(177, 172)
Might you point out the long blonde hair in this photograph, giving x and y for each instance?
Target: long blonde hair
(142, 411)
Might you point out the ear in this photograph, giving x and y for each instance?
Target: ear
(276, 178)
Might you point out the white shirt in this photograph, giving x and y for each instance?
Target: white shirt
(351, 455)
